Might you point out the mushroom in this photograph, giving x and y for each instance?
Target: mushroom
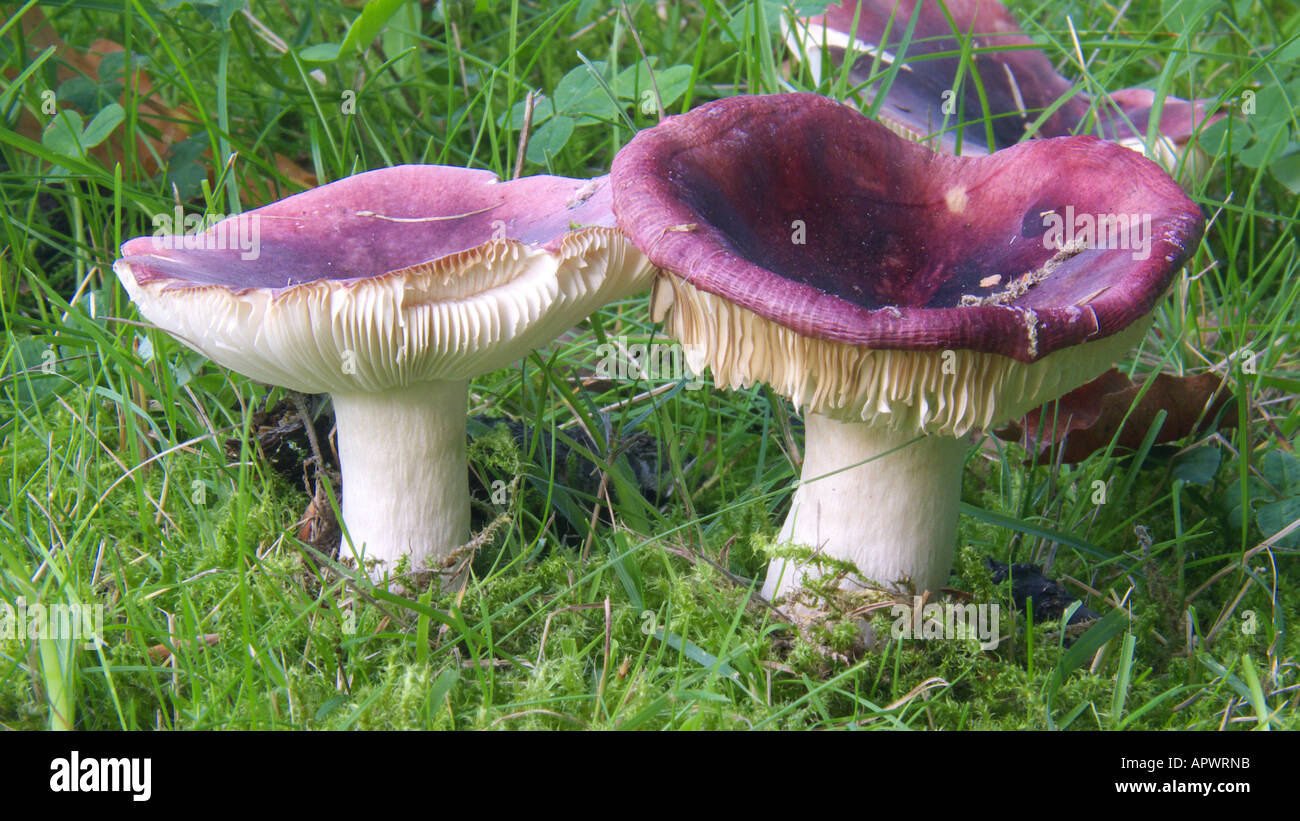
(901, 298)
(1180, 121)
(1018, 80)
(390, 290)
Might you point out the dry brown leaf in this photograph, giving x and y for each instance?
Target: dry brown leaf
(1088, 417)
(319, 527)
(174, 124)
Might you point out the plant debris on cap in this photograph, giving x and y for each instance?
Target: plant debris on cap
(903, 249)
(1018, 82)
(389, 290)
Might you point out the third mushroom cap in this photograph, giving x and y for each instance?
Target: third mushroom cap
(1017, 82)
(899, 297)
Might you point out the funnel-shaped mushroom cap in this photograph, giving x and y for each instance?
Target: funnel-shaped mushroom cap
(863, 275)
(1019, 82)
(388, 278)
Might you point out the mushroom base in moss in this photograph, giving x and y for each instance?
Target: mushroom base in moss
(886, 425)
(406, 486)
(886, 501)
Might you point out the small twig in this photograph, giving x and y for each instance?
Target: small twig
(923, 687)
(654, 84)
(276, 42)
(1227, 613)
(524, 132)
(602, 18)
(460, 57)
(1086, 588)
(624, 403)
(495, 664)
(546, 626)
(1245, 558)
(309, 428)
(604, 671)
(602, 492)
(426, 219)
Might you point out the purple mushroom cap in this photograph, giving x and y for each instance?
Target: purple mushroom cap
(902, 248)
(411, 273)
(1180, 119)
(372, 224)
(1018, 81)
(900, 298)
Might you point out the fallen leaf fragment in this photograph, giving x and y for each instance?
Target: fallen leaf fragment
(1090, 416)
(173, 124)
(161, 652)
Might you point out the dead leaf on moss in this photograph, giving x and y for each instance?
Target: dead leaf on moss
(1088, 418)
(161, 652)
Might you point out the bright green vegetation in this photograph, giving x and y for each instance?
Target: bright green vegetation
(116, 488)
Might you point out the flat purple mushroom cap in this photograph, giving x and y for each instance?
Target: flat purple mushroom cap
(388, 278)
(1180, 119)
(372, 224)
(902, 248)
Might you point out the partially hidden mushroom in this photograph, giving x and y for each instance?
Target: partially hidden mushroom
(1179, 124)
(901, 298)
(1017, 81)
(390, 290)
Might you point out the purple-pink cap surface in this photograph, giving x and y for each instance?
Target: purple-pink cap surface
(371, 224)
(810, 215)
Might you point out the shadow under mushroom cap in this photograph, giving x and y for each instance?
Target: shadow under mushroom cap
(808, 214)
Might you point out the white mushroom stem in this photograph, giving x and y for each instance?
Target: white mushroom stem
(405, 476)
(894, 517)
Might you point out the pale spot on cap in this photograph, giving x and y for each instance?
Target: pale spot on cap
(956, 199)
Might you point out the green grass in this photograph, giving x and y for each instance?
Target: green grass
(117, 489)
